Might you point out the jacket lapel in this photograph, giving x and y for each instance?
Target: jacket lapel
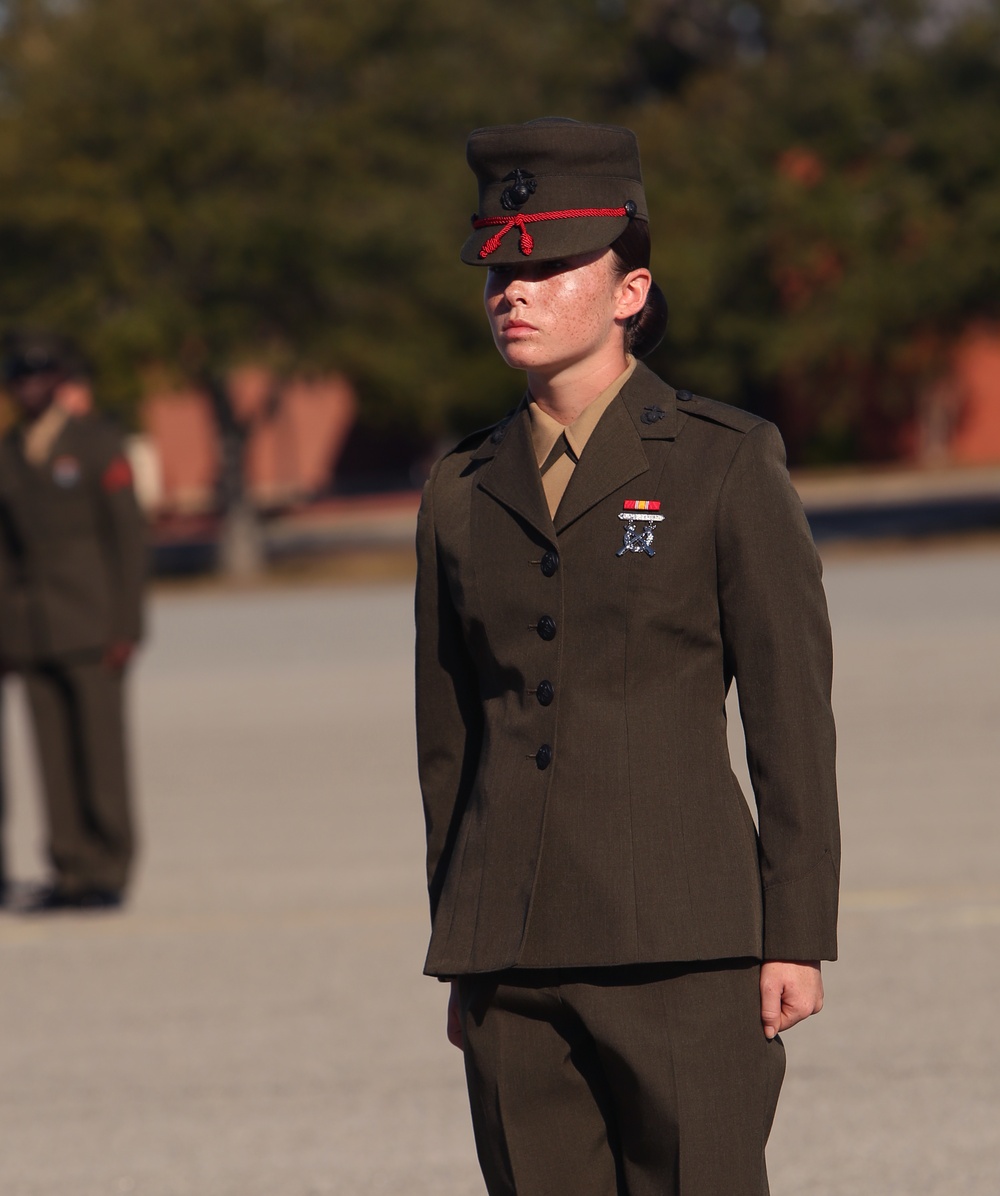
(613, 456)
(645, 410)
(512, 477)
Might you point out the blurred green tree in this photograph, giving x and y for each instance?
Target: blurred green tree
(828, 207)
(188, 186)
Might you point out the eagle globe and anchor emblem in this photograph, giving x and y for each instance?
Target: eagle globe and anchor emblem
(522, 187)
(641, 511)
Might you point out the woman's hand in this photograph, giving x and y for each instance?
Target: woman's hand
(790, 991)
(455, 1018)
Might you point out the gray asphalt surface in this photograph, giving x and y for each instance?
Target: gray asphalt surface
(256, 1024)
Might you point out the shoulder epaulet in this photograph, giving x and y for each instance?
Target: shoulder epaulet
(718, 413)
(470, 442)
(491, 435)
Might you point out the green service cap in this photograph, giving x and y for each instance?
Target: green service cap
(551, 188)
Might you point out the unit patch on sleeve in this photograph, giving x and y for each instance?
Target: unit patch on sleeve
(117, 476)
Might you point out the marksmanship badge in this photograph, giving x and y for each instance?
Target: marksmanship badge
(641, 511)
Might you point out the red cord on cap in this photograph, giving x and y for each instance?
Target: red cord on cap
(521, 220)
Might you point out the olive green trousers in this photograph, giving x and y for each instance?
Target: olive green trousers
(647, 1080)
(78, 716)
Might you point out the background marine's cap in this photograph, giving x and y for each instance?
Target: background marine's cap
(551, 188)
(26, 353)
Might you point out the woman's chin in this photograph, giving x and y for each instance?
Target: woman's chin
(520, 356)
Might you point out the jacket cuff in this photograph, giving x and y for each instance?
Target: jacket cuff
(800, 916)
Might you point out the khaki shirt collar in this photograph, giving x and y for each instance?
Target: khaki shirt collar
(545, 430)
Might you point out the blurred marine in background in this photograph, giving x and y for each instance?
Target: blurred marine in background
(72, 571)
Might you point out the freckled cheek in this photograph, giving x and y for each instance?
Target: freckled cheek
(581, 322)
(582, 309)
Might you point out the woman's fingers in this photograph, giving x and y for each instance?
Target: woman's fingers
(790, 991)
(455, 1018)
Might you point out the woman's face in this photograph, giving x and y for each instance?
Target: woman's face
(549, 316)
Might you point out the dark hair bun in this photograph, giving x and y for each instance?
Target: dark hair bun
(645, 330)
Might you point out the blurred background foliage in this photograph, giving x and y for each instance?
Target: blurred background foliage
(188, 186)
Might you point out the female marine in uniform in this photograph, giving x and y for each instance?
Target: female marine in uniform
(624, 944)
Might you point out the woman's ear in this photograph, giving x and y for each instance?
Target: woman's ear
(632, 292)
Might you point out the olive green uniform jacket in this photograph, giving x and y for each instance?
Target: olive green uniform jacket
(596, 821)
(73, 554)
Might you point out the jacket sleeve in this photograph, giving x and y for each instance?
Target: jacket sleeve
(449, 713)
(123, 532)
(776, 633)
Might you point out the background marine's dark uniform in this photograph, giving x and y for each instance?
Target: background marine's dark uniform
(73, 548)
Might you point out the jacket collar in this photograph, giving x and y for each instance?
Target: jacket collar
(512, 476)
(614, 456)
(652, 404)
(646, 409)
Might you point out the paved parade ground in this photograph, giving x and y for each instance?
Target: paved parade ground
(255, 1024)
